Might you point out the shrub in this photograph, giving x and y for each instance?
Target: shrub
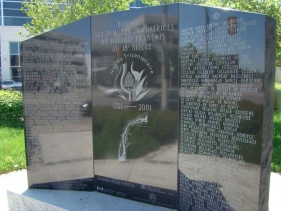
(276, 152)
(277, 102)
(11, 108)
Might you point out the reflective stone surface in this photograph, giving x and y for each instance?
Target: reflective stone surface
(58, 132)
(135, 104)
(179, 99)
(226, 89)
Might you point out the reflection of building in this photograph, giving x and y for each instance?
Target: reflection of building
(144, 37)
(12, 19)
(137, 4)
(58, 65)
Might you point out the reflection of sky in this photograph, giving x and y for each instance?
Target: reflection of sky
(102, 21)
(254, 35)
(133, 14)
(79, 29)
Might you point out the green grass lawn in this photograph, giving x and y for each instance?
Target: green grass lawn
(12, 149)
(276, 152)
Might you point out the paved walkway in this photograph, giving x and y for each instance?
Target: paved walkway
(13, 187)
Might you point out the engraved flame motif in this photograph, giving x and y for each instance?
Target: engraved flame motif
(129, 81)
(132, 82)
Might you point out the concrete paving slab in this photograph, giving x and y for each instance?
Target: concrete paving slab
(15, 195)
(20, 202)
(275, 192)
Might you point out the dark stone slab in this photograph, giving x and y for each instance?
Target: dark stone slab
(135, 104)
(181, 103)
(269, 91)
(227, 78)
(57, 82)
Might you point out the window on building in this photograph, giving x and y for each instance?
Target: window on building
(137, 3)
(12, 14)
(15, 61)
(14, 48)
(16, 74)
(15, 21)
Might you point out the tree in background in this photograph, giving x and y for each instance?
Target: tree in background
(49, 14)
(271, 8)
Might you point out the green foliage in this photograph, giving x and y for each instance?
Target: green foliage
(46, 16)
(11, 108)
(277, 99)
(158, 2)
(276, 152)
(12, 150)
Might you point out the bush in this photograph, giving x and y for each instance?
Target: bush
(11, 108)
(276, 152)
(277, 102)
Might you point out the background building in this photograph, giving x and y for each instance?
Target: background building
(137, 4)
(11, 24)
(12, 20)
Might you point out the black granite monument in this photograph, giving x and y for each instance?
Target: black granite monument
(226, 61)
(135, 103)
(181, 100)
(56, 82)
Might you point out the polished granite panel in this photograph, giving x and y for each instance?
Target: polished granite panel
(179, 99)
(269, 76)
(56, 84)
(226, 91)
(135, 104)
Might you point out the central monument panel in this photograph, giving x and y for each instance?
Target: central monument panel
(135, 104)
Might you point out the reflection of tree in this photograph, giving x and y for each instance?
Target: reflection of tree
(173, 54)
(109, 124)
(162, 56)
(124, 143)
(254, 126)
(164, 66)
(226, 74)
(152, 56)
(63, 70)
